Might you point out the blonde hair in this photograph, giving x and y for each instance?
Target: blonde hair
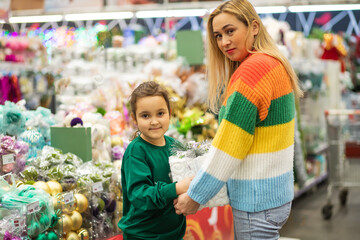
(220, 68)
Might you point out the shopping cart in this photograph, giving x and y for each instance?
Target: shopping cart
(343, 156)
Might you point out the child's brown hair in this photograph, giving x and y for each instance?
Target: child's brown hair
(147, 89)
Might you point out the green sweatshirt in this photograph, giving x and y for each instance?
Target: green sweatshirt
(148, 193)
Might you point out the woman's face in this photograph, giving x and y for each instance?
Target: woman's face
(230, 35)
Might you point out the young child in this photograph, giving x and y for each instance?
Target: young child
(148, 192)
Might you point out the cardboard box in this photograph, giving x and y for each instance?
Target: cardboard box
(26, 4)
(74, 140)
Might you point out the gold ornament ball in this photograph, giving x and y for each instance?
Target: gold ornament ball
(56, 203)
(66, 223)
(83, 234)
(82, 202)
(55, 187)
(77, 220)
(72, 236)
(42, 186)
(68, 208)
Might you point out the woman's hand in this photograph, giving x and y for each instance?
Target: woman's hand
(185, 205)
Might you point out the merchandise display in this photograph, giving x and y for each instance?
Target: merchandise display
(186, 161)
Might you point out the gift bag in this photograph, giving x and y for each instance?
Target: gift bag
(73, 140)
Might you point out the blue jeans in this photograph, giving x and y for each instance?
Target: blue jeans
(260, 225)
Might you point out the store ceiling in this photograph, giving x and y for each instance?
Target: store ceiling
(200, 5)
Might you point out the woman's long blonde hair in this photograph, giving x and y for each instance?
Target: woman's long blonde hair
(220, 68)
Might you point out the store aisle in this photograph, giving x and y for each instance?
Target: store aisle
(306, 221)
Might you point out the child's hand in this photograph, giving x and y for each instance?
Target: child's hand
(183, 185)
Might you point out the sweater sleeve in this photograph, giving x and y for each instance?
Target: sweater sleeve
(143, 193)
(231, 144)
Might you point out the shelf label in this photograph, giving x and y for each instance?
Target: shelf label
(33, 207)
(19, 222)
(69, 198)
(97, 187)
(8, 158)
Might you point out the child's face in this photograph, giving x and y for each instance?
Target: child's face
(152, 118)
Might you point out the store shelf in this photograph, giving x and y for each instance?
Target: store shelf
(310, 183)
(319, 149)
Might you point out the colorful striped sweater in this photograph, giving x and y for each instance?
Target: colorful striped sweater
(253, 149)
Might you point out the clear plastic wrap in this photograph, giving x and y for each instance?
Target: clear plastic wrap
(35, 205)
(187, 161)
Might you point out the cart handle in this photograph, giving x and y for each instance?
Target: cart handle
(342, 112)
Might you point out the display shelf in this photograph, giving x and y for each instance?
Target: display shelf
(310, 183)
(320, 149)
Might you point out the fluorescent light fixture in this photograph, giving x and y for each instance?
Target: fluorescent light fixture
(35, 19)
(324, 8)
(151, 14)
(270, 9)
(98, 16)
(187, 13)
(2, 21)
(172, 13)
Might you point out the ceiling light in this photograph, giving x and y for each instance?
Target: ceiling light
(172, 13)
(35, 19)
(270, 9)
(323, 8)
(98, 16)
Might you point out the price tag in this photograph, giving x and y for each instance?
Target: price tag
(69, 198)
(19, 222)
(8, 158)
(33, 207)
(97, 187)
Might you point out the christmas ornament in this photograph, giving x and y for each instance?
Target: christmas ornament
(52, 236)
(72, 236)
(83, 234)
(82, 202)
(55, 187)
(42, 185)
(76, 219)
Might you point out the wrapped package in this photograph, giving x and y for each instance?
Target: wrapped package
(35, 205)
(187, 162)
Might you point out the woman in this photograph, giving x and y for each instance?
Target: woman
(253, 149)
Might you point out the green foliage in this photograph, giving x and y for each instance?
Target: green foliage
(317, 33)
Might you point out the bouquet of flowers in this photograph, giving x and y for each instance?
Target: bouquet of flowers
(186, 161)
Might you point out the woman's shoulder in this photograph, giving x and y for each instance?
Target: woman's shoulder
(260, 61)
(255, 67)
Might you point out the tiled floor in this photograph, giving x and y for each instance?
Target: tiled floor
(306, 221)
